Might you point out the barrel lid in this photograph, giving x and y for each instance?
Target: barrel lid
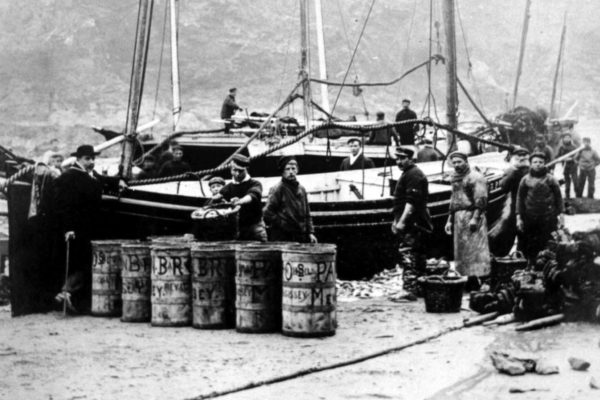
(311, 248)
(114, 242)
(169, 246)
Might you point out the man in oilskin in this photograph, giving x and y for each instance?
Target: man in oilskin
(412, 222)
(287, 211)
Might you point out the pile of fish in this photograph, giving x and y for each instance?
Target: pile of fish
(387, 283)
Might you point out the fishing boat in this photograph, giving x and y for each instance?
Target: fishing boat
(352, 209)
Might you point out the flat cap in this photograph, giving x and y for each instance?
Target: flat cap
(458, 154)
(241, 160)
(521, 151)
(216, 179)
(357, 140)
(537, 154)
(402, 151)
(283, 161)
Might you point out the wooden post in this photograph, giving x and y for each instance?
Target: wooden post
(322, 60)
(136, 85)
(558, 63)
(175, 64)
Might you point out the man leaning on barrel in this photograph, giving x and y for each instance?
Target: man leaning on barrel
(245, 192)
(287, 211)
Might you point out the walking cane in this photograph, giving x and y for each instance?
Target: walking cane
(65, 298)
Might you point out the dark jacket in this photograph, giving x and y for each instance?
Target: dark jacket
(407, 131)
(251, 213)
(229, 107)
(360, 163)
(539, 197)
(148, 174)
(547, 150)
(383, 136)
(413, 188)
(288, 213)
(510, 183)
(77, 201)
(173, 167)
(565, 149)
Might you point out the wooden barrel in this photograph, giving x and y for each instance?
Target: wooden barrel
(309, 293)
(106, 278)
(135, 274)
(171, 285)
(258, 288)
(213, 285)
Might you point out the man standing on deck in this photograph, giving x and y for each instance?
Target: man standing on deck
(539, 207)
(287, 211)
(406, 131)
(412, 222)
(78, 195)
(569, 165)
(502, 234)
(587, 160)
(176, 166)
(357, 160)
(383, 136)
(467, 219)
(541, 146)
(245, 192)
(229, 108)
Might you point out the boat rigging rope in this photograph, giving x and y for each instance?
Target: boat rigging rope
(159, 73)
(435, 57)
(353, 55)
(19, 174)
(325, 126)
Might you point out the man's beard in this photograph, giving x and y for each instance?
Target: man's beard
(462, 168)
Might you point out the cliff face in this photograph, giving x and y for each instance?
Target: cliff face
(67, 63)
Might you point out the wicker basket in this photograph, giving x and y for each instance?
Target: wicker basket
(503, 268)
(216, 222)
(443, 294)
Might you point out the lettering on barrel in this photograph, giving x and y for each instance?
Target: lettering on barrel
(209, 293)
(210, 267)
(170, 265)
(170, 289)
(313, 297)
(255, 269)
(317, 272)
(136, 263)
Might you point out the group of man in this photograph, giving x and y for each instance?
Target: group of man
(169, 163)
(579, 169)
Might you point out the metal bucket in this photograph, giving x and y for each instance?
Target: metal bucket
(171, 285)
(213, 285)
(136, 261)
(309, 293)
(106, 278)
(258, 287)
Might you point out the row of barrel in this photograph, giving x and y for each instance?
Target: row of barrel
(249, 286)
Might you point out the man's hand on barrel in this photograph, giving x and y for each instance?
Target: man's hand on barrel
(313, 238)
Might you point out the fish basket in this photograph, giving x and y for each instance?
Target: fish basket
(503, 268)
(216, 222)
(437, 267)
(443, 294)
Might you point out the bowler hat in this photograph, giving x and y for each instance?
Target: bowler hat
(283, 161)
(241, 161)
(85, 150)
(402, 151)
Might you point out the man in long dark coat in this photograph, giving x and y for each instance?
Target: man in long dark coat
(229, 108)
(406, 131)
(287, 211)
(78, 196)
(412, 222)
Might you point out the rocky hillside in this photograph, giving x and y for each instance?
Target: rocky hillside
(65, 64)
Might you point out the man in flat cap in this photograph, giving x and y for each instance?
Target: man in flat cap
(406, 131)
(287, 211)
(149, 168)
(357, 159)
(383, 136)
(541, 146)
(246, 193)
(176, 166)
(503, 232)
(229, 108)
(540, 207)
(587, 160)
(412, 222)
(467, 220)
(77, 200)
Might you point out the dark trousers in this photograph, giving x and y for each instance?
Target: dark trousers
(570, 175)
(590, 176)
(537, 231)
(277, 235)
(413, 258)
(255, 232)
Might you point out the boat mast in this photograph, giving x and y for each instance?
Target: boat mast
(322, 60)
(136, 85)
(304, 67)
(521, 51)
(558, 64)
(451, 88)
(175, 63)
